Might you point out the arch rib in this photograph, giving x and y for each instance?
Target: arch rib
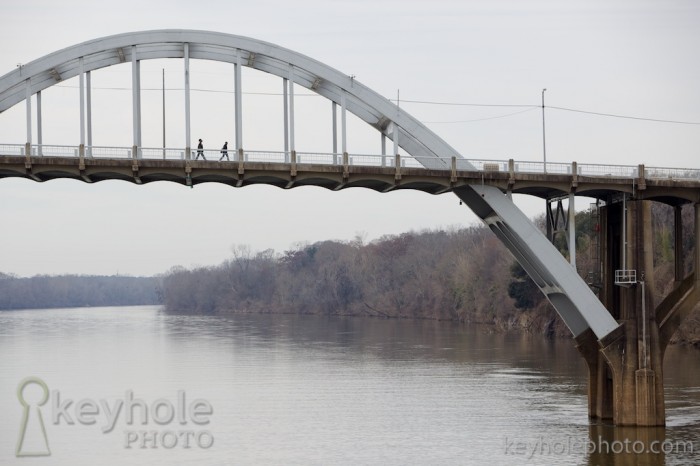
(328, 82)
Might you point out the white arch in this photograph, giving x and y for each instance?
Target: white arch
(328, 82)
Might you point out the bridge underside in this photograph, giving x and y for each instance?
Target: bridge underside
(334, 177)
(282, 175)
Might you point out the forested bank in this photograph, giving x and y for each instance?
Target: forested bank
(463, 275)
(44, 291)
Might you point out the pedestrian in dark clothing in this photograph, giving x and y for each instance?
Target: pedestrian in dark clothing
(200, 150)
(224, 152)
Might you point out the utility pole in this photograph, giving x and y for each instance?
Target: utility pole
(544, 144)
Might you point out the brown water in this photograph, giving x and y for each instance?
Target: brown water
(313, 390)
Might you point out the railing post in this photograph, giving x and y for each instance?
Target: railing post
(346, 162)
(28, 152)
(642, 181)
(81, 155)
(574, 175)
(397, 176)
(511, 178)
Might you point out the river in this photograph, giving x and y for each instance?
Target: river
(134, 385)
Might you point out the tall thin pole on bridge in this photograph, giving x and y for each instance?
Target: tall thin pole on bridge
(396, 125)
(28, 98)
(547, 206)
(188, 146)
(82, 106)
(88, 111)
(544, 142)
(163, 113)
(285, 110)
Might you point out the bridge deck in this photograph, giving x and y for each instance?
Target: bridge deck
(378, 172)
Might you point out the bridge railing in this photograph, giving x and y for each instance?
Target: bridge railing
(483, 165)
(160, 153)
(54, 151)
(318, 158)
(12, 149)
(616, 171)
(108, 152)
(672, 173)
(370, 160)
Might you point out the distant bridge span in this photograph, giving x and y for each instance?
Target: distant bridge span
(429, 165)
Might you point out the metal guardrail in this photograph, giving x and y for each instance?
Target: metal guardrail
(370, 160)
(625, 277)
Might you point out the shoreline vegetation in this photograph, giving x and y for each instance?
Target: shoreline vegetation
(459, 275)
(63, 291)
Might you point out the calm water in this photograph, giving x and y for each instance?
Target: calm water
(310, 390)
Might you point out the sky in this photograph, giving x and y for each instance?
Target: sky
(629, 58)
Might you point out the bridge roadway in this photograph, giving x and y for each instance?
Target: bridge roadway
(381, 173)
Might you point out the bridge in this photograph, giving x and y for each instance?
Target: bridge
(619, 331)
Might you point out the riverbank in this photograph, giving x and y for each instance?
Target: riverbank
(459, 275)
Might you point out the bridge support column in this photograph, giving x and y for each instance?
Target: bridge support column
(600, 392)
(631, 381)
(587, 344)
(677, 249)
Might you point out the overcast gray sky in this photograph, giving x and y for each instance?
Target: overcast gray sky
(636, 58)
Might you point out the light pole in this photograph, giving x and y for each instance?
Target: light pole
(163, 113)
(544, 145)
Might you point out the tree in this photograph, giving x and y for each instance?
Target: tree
(522, 289)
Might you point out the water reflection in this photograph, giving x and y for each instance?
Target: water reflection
(549, 373)
(549, 368)
(290, 389)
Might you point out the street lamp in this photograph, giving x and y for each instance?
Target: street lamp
(544, 145)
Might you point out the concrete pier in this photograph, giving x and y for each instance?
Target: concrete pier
(626, 367)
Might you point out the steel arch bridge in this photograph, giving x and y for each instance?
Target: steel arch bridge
(575, 302)
(480, 185)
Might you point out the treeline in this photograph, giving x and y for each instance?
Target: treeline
(43, 291)
(437, 275)
(458, 275)
(462, 275)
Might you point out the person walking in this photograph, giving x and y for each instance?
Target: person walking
(200, 150)
(224, 152)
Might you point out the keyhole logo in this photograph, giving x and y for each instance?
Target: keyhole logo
(32, 439)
